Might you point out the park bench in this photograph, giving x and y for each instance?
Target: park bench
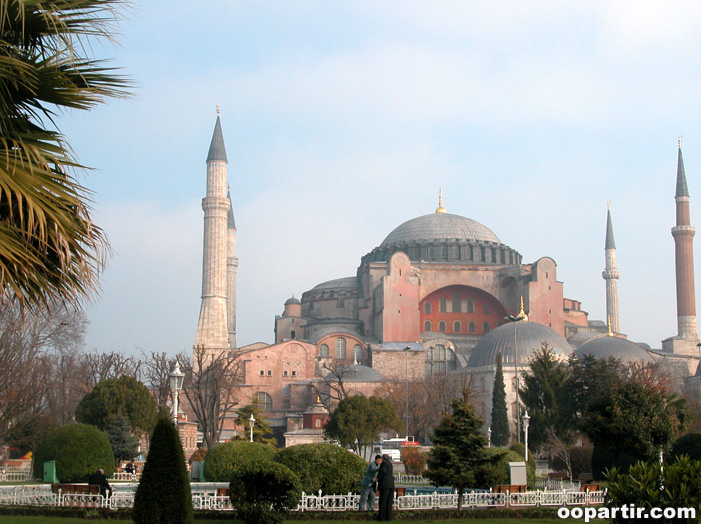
(80, 495)
(585, 478)
(222, 492)
(510, 488)
(586, 488)
(399, 492)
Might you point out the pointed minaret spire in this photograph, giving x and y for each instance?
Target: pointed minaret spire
(611, 274)
(440, 209)
(212, 330)
(683, 234)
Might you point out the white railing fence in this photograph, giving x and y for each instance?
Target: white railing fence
(209, 496)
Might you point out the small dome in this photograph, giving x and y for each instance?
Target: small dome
(357, 373)
(440, 226)
(614, 347)
(528, 336)
(347, 282)
(292, 301)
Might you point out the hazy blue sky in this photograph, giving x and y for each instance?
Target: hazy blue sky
(343, 119)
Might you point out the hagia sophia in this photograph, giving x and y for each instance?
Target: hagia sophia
(441, 293)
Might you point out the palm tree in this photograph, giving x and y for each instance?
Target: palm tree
(49, 247)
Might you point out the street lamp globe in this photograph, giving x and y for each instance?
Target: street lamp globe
(526, 420)
(175, 380)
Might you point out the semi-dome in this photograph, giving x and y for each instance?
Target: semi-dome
(356, 373)
(338, 283)
(614, 347)
(440, 226)
(292, 301)
(527, 336)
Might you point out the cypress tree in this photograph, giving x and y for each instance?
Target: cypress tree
(500, 416)
(163, 495)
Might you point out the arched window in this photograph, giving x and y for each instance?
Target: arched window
(485, 328)
(444, 252)
(440, 352)
(472, 327)
(323, 350)
(293, 335)
(441, 326)
(457, 302)
(439, 359)
(263, 401)
(470, 305)
(317, 423)
(357, 353)
(457, 327)
(341, 348)
(486, 308)
(427, 308)
(443, 304)
(427, 325)
(456, 252)
(431, 255)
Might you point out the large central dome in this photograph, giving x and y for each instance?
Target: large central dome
(440, 226)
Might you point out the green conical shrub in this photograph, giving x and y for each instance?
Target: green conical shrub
(163, 495)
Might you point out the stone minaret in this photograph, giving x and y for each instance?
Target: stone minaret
(611, 275)
(212, 329)
(683, 234)
(231, 264)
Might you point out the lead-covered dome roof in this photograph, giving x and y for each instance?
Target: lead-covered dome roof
(441, 226)
(356, 373)
(614, 347)
(527, 336)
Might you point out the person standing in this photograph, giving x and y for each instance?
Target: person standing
(368, 484)
(385, 483)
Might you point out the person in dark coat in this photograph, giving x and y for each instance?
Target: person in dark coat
(100, 479)
(385, 483)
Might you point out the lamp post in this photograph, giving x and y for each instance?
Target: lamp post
(526, 420)
(175, 380)
(251, 421)
(521, 316)
(489, 437)
(406, 390)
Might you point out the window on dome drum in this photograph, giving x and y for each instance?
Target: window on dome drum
(470, 305)
(431, 254)
(444, 252)
(293, 335)
(323, 350)
(457, 327)
(443, 304)
(439, 359)
(357, 353)
(457, 303)
(486, 308)
(341, 348)
(472, 327)
(456, 252)
(441, 326)
(427, 308)
(263, 401)
(427, 325)
(485, 328)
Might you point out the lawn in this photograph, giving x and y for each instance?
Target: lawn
(8, 519)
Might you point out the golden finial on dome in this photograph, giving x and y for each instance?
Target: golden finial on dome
(522, 314)
(440, 209)
(610, 333)
(680, 141)
(218, 110)
(608, 205)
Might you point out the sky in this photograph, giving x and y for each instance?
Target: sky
(343, 119)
